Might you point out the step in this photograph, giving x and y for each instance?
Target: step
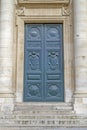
(43, 107)
(37, 121)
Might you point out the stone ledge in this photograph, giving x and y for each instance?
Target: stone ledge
(43, 1)
(40, 128)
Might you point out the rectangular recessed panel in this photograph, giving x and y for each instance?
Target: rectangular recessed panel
(43, 63)
(53, 77)
(33, 77)
(34, 44)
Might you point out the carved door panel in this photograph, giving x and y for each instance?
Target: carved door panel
(43, 63)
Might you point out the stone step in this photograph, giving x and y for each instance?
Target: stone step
(18, 116)
(66, 122)
(47, 113)
(36, 117)
(41, 128)
(43, 107)
(27, 120)
(41, 117)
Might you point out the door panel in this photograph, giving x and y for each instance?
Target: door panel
(43, 71)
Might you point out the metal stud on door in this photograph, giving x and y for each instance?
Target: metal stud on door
(43, 71)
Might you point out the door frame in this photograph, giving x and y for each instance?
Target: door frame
(68, 52)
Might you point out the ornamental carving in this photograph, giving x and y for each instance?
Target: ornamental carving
(53, 90)
(61, 10)
(33, 90)
(34, 61)
(20, 11)
(53, 61)
(66, 11)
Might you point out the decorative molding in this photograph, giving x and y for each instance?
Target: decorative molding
(43, 1)
(20, 11)
(63, 10)
(66, 11)
(23, 11)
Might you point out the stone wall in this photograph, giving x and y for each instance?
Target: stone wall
(80, 48)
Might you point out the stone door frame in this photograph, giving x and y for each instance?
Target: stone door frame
(58, 17)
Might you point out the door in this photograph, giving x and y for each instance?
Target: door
(43, 63)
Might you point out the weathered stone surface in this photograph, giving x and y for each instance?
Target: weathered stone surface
(80, 43)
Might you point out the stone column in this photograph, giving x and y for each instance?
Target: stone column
(80, 45)
(6, 56)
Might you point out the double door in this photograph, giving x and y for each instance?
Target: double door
(43, 63)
